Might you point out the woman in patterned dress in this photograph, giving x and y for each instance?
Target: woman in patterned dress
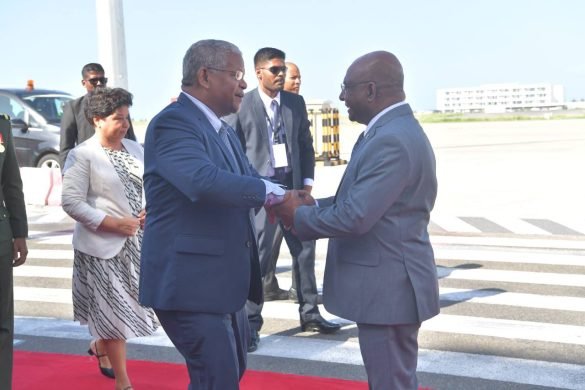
(102, 191)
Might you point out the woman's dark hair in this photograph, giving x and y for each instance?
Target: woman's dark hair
(103, 101)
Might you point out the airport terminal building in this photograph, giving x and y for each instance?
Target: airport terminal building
(497, 98)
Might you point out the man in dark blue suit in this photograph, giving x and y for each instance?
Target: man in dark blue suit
(199, 255)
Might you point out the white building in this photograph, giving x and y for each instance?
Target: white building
(501, 98)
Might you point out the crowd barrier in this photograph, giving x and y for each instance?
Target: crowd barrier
(42, 186)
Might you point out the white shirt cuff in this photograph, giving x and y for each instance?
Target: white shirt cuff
(273, 188)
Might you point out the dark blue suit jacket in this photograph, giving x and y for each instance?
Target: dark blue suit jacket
(199, 253)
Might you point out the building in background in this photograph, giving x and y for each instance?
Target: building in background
(495, 98)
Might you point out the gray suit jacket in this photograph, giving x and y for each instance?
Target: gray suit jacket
(380, 265)
(250, 125)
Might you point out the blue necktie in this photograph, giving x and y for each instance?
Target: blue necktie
(223, 134)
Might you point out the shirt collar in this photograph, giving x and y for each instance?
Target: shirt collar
(384, 111)
(267, 100)
(211, 117)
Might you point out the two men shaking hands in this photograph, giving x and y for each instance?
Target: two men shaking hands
(285, 209)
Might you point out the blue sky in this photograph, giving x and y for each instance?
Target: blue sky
(441, 43)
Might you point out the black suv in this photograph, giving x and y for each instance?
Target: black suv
(35, 115)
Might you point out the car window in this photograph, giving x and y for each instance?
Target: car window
(50, 107)
(11, 107)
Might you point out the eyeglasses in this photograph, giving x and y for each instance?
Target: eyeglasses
(275, 70)
(98, 80)
(238, 74)
(345, 87)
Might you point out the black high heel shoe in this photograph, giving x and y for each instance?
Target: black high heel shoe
(109, 372)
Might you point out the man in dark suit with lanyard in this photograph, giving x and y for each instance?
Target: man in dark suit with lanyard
(75, 128)
(274, 130)
(13, 250)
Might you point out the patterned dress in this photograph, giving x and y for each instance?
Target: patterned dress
(105, 291)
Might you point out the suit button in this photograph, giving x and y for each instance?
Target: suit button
(249, 244)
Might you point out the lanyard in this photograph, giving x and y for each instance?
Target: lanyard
(278, 125)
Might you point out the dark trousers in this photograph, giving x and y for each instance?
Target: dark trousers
(6, 315)
(270, 238)
(303, 268)
(214, 346)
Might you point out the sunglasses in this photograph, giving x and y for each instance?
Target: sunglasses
(98, 80)
(275, 70)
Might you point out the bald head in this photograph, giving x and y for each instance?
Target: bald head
(373, 82)
(383, 68)
(292, 83)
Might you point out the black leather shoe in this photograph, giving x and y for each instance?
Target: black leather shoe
(276, 295)
(254, 341)
(319, 324)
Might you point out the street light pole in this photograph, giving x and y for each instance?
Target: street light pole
(112, 42)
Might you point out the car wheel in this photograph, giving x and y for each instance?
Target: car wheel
(50, 160)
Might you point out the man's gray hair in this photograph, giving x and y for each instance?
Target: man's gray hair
(211, 53)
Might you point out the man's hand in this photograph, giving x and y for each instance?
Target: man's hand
(292, 200)
(272, 200)
(19, 251)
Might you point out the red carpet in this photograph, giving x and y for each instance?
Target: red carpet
(47, 371)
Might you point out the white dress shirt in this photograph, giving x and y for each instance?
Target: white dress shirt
(267, 101)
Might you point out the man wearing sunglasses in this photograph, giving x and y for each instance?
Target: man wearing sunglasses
(75, 128)
(275, 133)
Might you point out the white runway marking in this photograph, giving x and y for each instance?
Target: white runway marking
(57, 239)
(50, 254)
(515, 257)
(519, 226)
(43, 272)
(280, 309)
(494, 297)
(496, 368)
(40, 294)
(508, 329)
(517, 242)
(545, 278)
(453, 224)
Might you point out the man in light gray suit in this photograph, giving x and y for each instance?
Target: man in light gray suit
(380, 269)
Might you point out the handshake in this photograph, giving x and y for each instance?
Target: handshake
(283, 207)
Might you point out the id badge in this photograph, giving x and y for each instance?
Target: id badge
(279, 151)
